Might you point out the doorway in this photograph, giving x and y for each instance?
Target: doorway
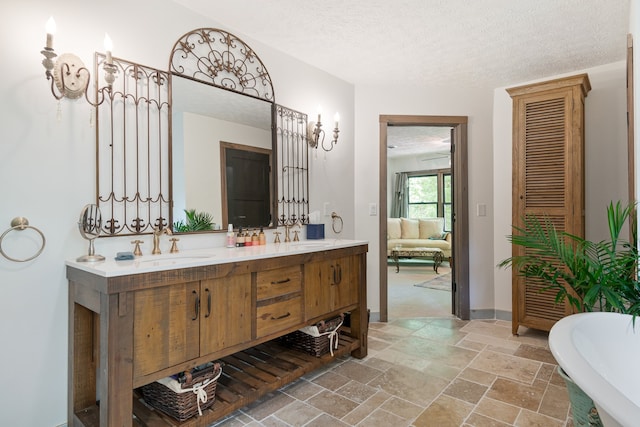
(460, 224)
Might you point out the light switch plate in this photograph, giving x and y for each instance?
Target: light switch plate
(373, 209)
(481, 209)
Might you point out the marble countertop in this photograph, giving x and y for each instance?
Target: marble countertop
(200, 257)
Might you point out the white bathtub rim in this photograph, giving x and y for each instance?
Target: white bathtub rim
(608, 399)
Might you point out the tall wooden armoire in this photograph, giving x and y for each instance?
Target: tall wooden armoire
(548, 179)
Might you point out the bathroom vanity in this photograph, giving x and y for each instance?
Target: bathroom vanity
(134, 322)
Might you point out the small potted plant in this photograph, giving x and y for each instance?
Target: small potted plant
(591, 276)
(196, 221)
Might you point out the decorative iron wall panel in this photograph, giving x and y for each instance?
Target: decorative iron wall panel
(293, 164)
(133, 146)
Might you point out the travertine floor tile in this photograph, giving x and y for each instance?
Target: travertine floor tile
(414, 386)
(332, 403)
(357, 371)
(444, 412)
(497, 410)
(402, 408)
(382, 418)
(297, 413)
(517, 394)
(504, 365)
(426, 372)
(465, 390)
(533, 419)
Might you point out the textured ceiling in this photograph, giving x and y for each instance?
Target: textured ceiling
(481, 43)
(452, 43)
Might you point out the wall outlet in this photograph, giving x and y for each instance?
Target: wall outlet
(373, 209)
(326, 208)
(481, 209)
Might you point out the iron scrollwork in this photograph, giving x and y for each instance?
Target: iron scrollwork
(219, 58)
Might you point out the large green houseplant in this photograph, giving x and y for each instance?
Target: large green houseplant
(591, 276)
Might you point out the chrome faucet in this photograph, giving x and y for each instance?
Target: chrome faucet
(156, 239)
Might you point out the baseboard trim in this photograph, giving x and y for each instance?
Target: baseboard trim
(484, 314)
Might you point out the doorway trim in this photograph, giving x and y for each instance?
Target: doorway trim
(460, 304)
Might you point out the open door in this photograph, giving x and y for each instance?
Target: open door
(460, 225)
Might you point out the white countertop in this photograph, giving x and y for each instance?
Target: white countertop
(200, 257)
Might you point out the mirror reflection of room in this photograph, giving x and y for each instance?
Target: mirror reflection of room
(204, 118)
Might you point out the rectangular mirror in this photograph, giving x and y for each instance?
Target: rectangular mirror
(203, 117)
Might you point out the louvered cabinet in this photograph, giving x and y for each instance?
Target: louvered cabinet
(548, 179)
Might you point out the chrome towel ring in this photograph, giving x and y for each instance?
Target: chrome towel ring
(21, 223)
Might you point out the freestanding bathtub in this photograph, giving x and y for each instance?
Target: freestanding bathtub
(601, 354)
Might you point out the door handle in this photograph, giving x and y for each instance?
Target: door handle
(208, 303)
(197, 306)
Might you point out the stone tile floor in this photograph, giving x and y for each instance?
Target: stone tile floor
(426, 372)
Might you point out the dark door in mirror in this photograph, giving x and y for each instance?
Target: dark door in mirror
(246, 182)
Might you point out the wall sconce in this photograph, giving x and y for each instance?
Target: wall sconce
(315, 134)
(68, 73)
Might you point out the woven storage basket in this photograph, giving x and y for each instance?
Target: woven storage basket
(197, 392)
(315, 342)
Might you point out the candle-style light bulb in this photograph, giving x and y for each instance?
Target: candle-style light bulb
(319, 113)
(336, 118)
(50, 28)
(108, 47)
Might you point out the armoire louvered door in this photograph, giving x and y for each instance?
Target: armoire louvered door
(548, 179)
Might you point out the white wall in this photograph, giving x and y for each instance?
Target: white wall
(47, 170)
(371, 102)
(605, 162)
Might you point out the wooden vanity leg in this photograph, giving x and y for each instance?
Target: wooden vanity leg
(116, 360)
(82, 359)
(360, 316)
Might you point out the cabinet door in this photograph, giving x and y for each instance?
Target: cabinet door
(330, 285)
(166, 327)
(225, 313)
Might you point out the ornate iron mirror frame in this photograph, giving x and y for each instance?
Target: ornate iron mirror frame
(137, 134)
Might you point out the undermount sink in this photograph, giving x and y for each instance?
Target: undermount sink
(171, 259)
(311, 245)
(599, 351)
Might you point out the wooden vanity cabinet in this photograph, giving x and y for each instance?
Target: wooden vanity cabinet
(127, 331)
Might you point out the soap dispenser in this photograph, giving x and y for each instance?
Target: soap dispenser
(262, 238)
(240, 238)
(231, 237)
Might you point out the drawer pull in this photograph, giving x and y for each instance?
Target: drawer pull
(197, 306)
(208, 303)
(278, 282)
(281, 317)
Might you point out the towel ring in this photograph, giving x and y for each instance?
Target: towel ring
(334, 217)
(21, 223)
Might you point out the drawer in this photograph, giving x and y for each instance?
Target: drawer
(280, 281)
(278, 316)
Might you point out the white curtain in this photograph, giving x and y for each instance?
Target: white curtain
(400, 201)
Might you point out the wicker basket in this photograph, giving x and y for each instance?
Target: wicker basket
(197, 389)
(315, 340)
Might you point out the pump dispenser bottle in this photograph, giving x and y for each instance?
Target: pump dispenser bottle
(231, 237)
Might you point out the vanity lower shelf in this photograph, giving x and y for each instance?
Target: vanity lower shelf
(247, 375)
